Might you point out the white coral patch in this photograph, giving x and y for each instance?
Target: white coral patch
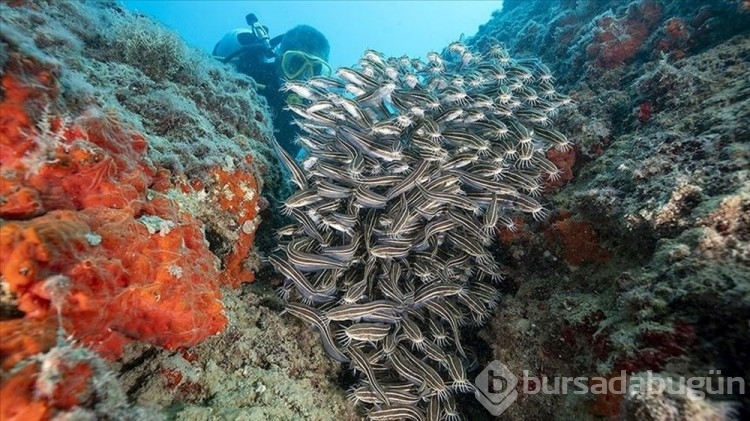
(251, 225)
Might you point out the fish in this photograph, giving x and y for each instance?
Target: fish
(364, 332)
(314, 317)
(368, 146)
(298, 176)
(374, 311)
(412, 166)
(311, 262)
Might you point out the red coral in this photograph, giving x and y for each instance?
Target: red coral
(676, 28)
(564, 160)
(618, 40)
(177, 381)
(609, 403)
(676, 38)
(657, 347)
(577, 241)
(507, 237)
(643, 112)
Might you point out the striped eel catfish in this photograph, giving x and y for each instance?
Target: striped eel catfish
(411, 166)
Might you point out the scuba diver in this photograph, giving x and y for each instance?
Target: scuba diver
(299, 54)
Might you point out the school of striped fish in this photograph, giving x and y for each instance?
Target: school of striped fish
(411, 166)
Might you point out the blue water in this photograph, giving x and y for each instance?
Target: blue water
(392, 27)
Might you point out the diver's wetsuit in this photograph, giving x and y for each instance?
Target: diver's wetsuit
(266, 74)
(285, 130)
(258, 60)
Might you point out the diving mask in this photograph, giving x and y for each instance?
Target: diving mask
(298, 65)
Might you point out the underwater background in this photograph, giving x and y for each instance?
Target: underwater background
(563, 191)
(394, 28)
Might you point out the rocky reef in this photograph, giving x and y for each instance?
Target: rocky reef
(644, 263)
(135, 175)
(139, 187)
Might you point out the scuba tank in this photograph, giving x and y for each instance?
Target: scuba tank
(252, 45)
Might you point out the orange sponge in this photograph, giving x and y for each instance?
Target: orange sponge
(236, 192)
(75, 203)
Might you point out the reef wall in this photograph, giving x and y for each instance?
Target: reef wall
(136, 172)
(645, 264)
(125, 154)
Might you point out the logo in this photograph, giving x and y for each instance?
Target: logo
(496, 388)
